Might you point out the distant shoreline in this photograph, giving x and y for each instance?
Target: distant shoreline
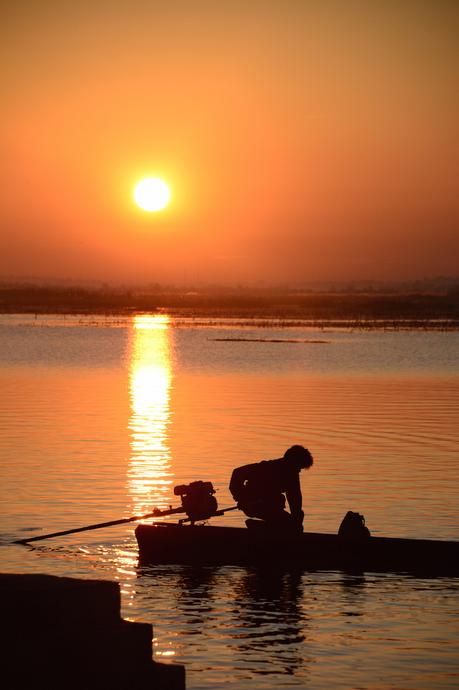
(256, 308)
(206, 320)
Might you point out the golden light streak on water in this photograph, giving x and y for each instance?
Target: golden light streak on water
(149, 475)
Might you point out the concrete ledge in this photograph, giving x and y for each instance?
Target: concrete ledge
(63, 632)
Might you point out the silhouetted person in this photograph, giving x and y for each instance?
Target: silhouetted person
(260, 488)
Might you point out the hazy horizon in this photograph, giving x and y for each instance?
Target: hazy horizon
(302, 142)
(439, 280)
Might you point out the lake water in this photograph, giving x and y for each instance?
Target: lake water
(102, 417)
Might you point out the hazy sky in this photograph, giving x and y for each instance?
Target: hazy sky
(302, 139)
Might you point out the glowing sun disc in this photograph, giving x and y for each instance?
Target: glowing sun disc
(152, 194)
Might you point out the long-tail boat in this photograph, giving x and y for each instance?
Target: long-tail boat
(186, 542)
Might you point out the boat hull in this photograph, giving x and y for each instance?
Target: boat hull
(208, 545)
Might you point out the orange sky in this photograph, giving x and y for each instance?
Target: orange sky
(303, 140)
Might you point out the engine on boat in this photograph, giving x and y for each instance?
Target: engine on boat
(198, 499)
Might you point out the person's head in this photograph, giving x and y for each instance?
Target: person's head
(299, 457)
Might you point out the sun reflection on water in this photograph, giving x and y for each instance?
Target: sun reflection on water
(149, 474)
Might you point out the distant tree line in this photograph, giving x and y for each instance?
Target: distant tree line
(247, 303)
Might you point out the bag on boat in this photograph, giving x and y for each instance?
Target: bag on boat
(353, 526)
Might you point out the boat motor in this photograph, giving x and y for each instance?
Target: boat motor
(198, 500)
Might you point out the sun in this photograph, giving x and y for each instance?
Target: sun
(152, 194)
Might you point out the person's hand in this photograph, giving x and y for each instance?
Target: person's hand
(299, 520)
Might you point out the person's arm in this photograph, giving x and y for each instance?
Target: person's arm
(295, 499)
(238, 478)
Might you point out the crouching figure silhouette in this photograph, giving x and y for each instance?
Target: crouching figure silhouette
(261, 489)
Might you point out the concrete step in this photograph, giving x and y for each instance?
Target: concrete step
(68, 633)
(59, 599)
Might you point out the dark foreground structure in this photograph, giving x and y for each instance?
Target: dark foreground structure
(172, 543)
(61, 632)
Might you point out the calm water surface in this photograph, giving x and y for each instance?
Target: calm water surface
(101, 418)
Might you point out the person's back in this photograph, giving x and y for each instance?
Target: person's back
(259, 488)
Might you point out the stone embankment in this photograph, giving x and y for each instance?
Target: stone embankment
(61, 632)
